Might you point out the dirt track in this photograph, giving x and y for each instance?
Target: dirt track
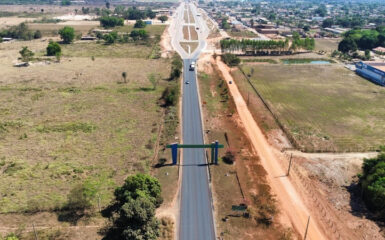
(290, 201)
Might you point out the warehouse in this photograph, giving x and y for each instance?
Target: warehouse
(374, 71)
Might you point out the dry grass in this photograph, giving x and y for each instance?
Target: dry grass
(328, 45)
(66, 123)
(193, 32)
(325, 108)
(191, 45)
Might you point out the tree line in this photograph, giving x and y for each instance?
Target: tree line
(21, 32)
(257, 46)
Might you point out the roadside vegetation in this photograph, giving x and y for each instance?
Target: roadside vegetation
(132, 213)
(372, 182)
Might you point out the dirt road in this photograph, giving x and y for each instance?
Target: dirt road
(290, 201)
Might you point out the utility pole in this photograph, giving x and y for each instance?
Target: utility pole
(307, 227)
(288, 170)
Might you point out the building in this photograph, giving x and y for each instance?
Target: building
(374, 71)
(379, 50)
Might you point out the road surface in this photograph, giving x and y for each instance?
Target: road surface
(196, 220)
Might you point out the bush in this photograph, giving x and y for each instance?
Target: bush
(229, 157)
(176, 67)
(20, 31)
(110, 22)
(111, 37)
(67, 34)
(170, 96)
(372, 183)
(231, 59)
(139, 24)
(37, 34)
(53, 48)
(139, 35)
(26, 54)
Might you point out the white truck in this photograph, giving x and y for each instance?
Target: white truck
(192, 66)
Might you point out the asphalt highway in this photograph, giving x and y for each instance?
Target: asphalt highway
(196, 220)
(196, 217)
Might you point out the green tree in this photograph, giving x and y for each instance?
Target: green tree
(163, 18)
(139, 24)
(306, 28)
(37, 34)
(231, 59)
(225, 25)
(53, 48)
(372, 183)
(109, 22)
(327, 23)
(154, 79)
(110, 38)
(65, 2)
(347, 45)
(26, 54)
(150, 14)
(367, 54)
(133, 211)
(321, 10)
(67, 34)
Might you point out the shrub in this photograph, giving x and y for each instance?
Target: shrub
(53, 48)
(110, 22)
(170, 96)
(67, 34)
(229, 157)
(372, 183)
(139, 24)
(111, 37)
(231, 59)
(37, 34)
(26, 54)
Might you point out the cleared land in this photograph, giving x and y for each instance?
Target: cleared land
(74, 122)
(323, 108)
(186, 35)
(193, 32)
(328, 45)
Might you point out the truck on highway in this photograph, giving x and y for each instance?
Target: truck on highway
(192, 66)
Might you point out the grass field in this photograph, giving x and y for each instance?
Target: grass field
(324, 108)
(242, 34)
(75, 122)
(51, 29)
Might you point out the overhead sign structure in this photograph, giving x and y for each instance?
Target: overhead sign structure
(214, 150)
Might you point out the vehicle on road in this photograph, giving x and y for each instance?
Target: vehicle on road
(192, 66)
(187, 82)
